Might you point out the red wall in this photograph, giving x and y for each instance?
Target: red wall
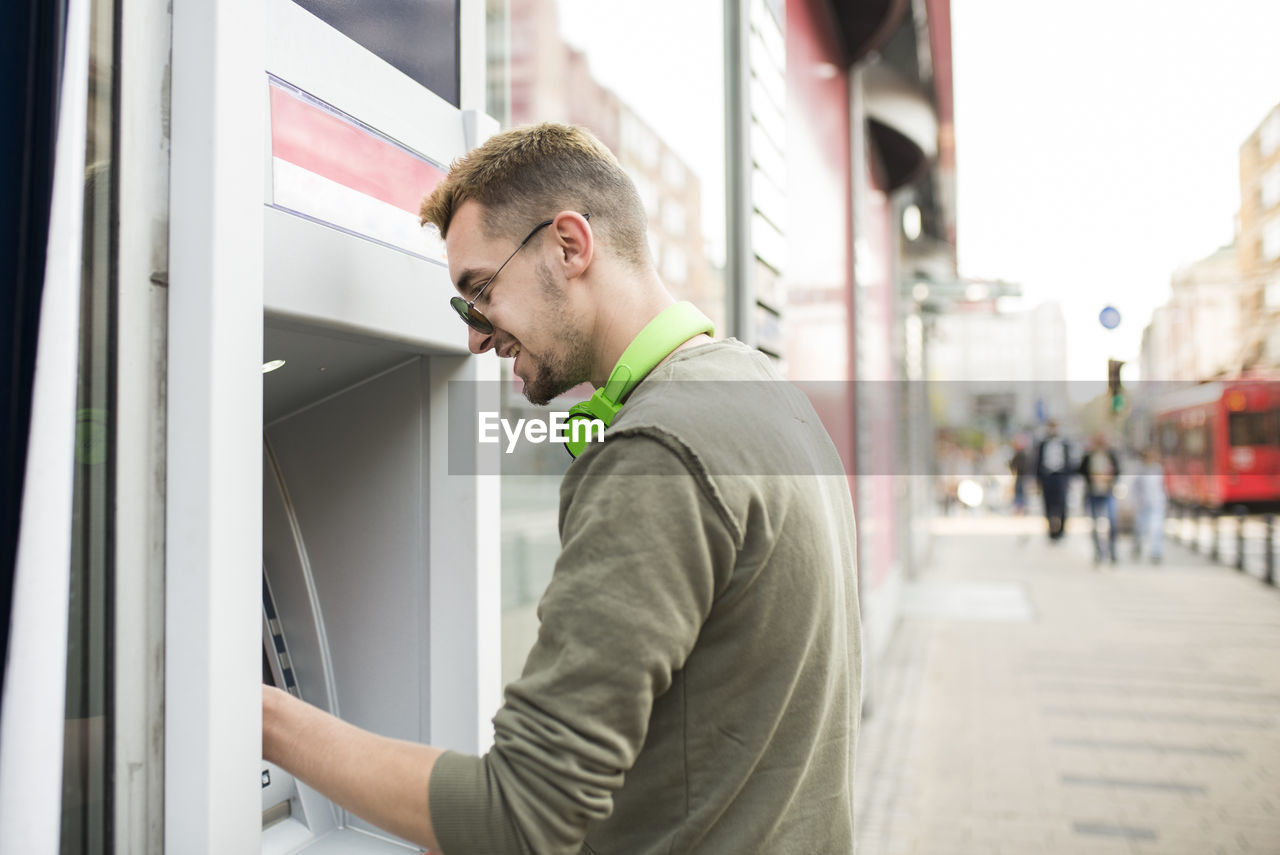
(820, 231)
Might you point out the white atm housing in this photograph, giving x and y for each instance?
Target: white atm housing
(382, 566)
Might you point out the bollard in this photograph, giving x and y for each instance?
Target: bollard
(1195, 529)
(1215, 517)
(1240, 517)
(1269, 545)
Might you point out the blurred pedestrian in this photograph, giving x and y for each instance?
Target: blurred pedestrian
(1053, 457)
(993, 471)
(1020, 466)
(1100, 468)
(955, 466)
(1150, 499)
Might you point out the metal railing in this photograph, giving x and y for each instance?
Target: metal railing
(1232, 537)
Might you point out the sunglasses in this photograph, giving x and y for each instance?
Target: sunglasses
(467, 310)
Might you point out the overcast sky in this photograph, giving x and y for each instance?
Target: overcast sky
(1098, 148)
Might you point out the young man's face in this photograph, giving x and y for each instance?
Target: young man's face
(527, 304)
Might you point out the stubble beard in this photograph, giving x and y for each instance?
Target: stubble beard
(570, 364)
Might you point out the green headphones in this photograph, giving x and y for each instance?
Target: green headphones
(671, 328)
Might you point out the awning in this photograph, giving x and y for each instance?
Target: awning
(865, 25)
(904, 125)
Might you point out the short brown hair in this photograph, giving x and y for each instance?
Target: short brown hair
(530, 173)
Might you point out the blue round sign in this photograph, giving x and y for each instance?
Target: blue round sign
(1110, 317)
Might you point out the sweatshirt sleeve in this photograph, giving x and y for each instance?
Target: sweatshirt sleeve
(645, 545)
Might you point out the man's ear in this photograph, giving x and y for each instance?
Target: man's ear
(575, 242)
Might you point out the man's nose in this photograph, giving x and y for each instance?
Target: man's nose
(479, 342)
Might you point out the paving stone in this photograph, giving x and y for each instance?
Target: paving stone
(1030, 704)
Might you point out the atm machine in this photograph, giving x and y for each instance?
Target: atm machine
(355, 318)
(379, 564)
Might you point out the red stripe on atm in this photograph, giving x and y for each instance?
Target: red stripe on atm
(323, 143)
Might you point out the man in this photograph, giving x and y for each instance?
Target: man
(1019, 466)
(695, 682)
(1150, 499)
(1100, 468)
(1052, 459)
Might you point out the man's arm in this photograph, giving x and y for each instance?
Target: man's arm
(384, 781)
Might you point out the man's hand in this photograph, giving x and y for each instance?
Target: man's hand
(384, 781)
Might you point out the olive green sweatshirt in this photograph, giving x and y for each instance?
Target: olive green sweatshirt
(695, 682)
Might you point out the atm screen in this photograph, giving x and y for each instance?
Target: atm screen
(418, 37)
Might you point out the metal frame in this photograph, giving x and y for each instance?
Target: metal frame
(142, 305)
(213, 552)
(33, 708)
(740, 258)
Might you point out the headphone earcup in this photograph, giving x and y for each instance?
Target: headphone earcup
(584, 410)
(576, 441)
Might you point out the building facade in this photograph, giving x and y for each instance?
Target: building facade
(1259, 244)
(1002, 371)
(1223, 315)
(1199, 333)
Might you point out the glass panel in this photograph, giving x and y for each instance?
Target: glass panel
(86, 779)
(1194, 442)
(419, 37)
(601, 65)
(1249, 428)
(593, 64)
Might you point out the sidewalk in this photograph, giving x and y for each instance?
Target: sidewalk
(1032, 704)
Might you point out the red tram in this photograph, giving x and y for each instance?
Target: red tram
(1220, 443)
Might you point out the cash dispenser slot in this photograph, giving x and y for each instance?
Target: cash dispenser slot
(278, 792)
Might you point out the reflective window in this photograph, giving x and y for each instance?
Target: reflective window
(1249, 428)
(1271, 239)
(593, 64)
(1195, 442)
(1271, 187)
(86, 771)
(608, 67)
